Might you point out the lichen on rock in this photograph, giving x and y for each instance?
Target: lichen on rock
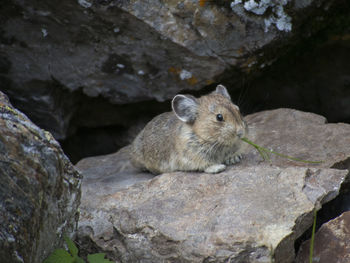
(278, 16)
(39, 189)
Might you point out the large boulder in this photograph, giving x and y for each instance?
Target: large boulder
(252, 212)
(56, 55)
(39, 189)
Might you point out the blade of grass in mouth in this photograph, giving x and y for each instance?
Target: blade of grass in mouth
(264, 152)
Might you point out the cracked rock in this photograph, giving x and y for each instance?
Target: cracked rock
(332, 242)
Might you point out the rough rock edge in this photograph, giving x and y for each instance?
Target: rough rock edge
(70, 178)
(120, 237)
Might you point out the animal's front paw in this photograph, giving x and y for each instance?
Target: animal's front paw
(235, 158)
(216, 168)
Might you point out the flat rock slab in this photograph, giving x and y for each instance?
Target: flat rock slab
(332, 242)
(252, 212)
(192, 217)
(304, 135)
(107, 174)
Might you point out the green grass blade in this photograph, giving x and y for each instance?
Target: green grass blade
(294, 158)
(312, 237)
(260, 149)
(264, 152)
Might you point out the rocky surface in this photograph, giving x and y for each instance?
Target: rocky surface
(55, 56)
(107, 174)
(303, 135)
(252, 212)
(332, 242)
(39, 189)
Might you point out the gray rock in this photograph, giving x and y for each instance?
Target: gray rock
(252, 212)
(244, 215)
(302, 135)
(117, 170)
(53, 54)
(331, 243)
(39, 189)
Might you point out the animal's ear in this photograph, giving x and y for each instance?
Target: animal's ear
(185, 107)
(220, 89)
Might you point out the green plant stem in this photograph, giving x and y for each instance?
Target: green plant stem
(264, 152)
(312, 237)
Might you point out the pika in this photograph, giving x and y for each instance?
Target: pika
(199, 134)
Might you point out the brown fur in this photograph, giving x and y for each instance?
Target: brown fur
(200, 143)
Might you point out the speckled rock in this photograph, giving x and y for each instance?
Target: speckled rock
(303, 135)
(332, 242)
(55, 54)
(108, 174)
(39, 189)
(245, 215)
(252, 212)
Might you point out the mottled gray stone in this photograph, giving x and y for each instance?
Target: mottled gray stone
(108, 174)
(332, 242)
(252, 212)
(39, 189)
(53, 54)
(248, 213)
(302, 135)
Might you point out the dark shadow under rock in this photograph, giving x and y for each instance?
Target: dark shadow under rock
(332, 242)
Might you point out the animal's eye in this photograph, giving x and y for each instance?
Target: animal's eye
(219, 117)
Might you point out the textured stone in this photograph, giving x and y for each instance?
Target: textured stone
(55, 54)
(39, 189)
(302, 135)
(117, 171)
(242, 214)
(332, 242)
(250, 213)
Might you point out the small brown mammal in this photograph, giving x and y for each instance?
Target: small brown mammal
(200, 134)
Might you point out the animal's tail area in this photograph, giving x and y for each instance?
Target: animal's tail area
(125, 162)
